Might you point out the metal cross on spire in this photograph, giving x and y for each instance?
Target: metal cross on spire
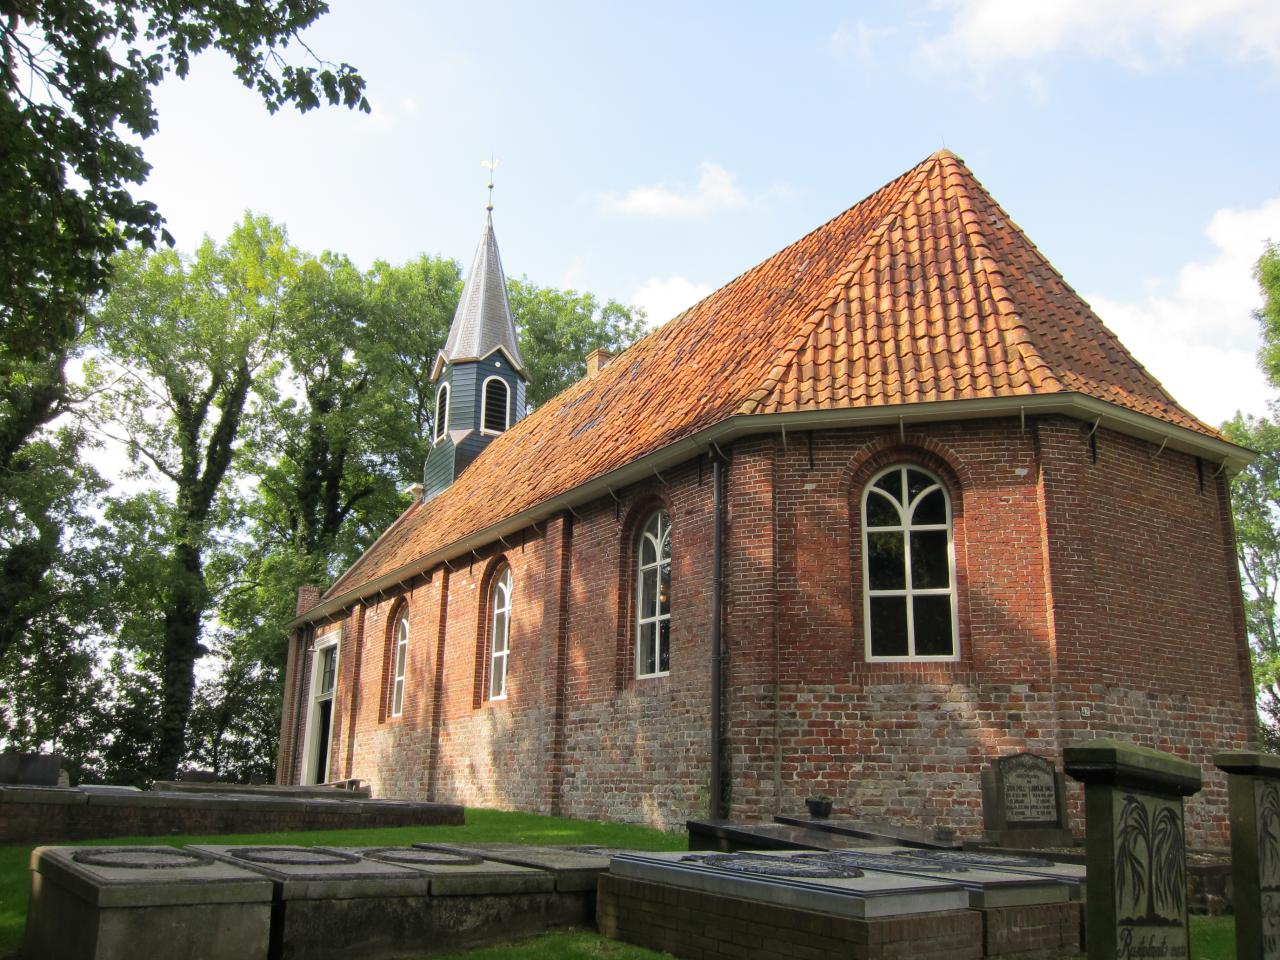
(492, 165)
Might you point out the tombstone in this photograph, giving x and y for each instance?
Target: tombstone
(101, 903)
(1254, 794)
(573, 870)
(35, 769)
(1024, 803)
(1136, 848)
(770, 905)
(727, 837)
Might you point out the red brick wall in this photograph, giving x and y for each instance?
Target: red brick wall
(1108, 585)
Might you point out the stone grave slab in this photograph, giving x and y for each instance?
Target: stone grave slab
(474, 900)
(114, 903)
(1070, 874)
(773, 905)
(987, 887)
(876, 833)
(1024, 802)
(332, 903)
(457, 872)
(769, 877)
(314, 873)
(571, 870)
(1022, 913)
(728, 836)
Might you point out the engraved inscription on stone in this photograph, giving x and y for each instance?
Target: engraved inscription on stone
(1266, 797)
(766, 866)
(141, 858)
(294, 856)
(1030, 790)
(1150, 878)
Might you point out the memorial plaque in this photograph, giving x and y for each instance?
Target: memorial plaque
(1137, 906)
(1030, 791)
(1023, 803)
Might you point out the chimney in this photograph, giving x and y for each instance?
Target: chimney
(414, 491)
(596, 360)
(308, 597)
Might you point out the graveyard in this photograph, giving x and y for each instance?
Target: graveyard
(485, 884)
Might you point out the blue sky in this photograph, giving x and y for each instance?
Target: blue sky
(651, 152)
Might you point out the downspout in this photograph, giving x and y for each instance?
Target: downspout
(717, 615)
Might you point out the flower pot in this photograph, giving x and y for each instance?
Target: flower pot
(818, 808)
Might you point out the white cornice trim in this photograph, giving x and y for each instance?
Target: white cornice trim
(1230, 457)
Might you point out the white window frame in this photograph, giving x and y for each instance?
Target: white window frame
(500, 641)
(311, 772)
(400, 664)
(657, 531)
(484, 406)
(906, 528)
(442, 422)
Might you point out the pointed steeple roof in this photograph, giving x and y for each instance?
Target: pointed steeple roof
(483, 322)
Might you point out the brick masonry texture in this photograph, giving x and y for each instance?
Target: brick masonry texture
(1097, 596)
(27, 817)
(703, 926)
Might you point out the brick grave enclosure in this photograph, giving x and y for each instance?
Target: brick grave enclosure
(46, 814)
(663, 918)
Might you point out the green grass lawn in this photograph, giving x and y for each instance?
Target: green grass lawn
(482, 826)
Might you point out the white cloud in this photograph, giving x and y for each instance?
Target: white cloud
(1200, 339)
(1134, 33)
(858, 42)
(715, 190)
(664, 297)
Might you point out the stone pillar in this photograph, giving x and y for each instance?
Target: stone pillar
(1136, 848)
(1254, 793)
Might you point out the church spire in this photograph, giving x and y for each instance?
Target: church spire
(480, 376)
(482, 322)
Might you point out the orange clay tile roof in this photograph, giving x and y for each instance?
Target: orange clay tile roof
(924, 291)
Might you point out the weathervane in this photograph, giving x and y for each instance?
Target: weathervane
(492, 165)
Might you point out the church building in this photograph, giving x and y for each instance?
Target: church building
(887, 506)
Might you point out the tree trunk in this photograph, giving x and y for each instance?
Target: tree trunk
(181, 650)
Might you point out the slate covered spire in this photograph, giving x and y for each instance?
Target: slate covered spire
(482, 322)
(480, 376)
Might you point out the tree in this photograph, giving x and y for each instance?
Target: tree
(1267, 273)
(78, 77)
(185, 344)
(1255, 504)
(558, 328)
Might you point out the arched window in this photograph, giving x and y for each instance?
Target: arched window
(442, 411)
(909, 599)
(495, 416)
(400, 637)
(653, 596)
(500, 634)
